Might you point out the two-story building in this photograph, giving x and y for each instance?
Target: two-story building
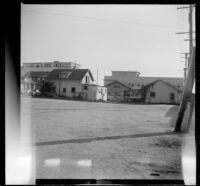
(48, 66)
(69, 82)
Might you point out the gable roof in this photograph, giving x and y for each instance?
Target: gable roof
(172, 80)
(36, 74)
(168, 84)
(75, 74)
(109, 84)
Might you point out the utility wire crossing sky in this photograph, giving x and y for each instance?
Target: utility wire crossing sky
(107, 37)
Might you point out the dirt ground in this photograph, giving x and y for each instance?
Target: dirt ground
(75, 139)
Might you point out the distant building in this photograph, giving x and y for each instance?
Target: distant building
(68, 82)
(128, 85)
(117, 90)
(48, 66)
(162, 92)
(77, 83)
(126, 77)
(30, 81)
(94, 92)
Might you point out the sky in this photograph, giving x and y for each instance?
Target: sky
(105, 38)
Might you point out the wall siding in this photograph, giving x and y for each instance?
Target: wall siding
(162, 92)
(120, 90)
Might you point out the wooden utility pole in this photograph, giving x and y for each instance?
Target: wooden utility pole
(187, 93)
(190, 76)
(190, 28)
(97, 76)
(186, 65)
(191, 34)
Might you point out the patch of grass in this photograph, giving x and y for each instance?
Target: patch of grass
(169, 143)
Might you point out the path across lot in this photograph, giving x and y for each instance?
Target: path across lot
(116, 141)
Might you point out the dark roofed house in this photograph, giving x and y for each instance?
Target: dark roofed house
(68, 82)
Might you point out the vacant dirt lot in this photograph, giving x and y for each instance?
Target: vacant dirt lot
(102, 140)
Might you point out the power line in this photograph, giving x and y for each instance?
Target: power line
(100, 19)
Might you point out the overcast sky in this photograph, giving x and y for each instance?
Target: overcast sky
(107, 37)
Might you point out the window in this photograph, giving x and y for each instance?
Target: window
(172, 97)
(138, 85)
(132, 85)
(73, 89)
(85, 87)
(178, 86)
(86, 79)
(116, 86)
(152, 94)
(64, 89)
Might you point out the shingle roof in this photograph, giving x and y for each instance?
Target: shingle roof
(76, 74)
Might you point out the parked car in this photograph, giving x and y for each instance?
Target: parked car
(35, 93)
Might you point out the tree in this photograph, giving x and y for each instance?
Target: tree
(47, 88)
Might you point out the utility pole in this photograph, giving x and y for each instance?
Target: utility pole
(190, 33)
(186, 65)
(97, 76)
(187, 92)
(187, 101)
(190, 30)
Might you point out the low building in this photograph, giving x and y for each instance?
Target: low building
(161, 92)
(135, 81)
(128, 86)
(117, 90)
(94, 92)
(69, 82)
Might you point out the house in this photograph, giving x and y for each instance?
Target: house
(27, 86)
(134, 80)
(117, 90)
(69, 82)
(160, 91)
(35, 76)
(133, 86)
(94, 92)
(30, 81)
(47, 66)
(123, 92)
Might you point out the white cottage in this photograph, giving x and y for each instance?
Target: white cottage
(68, 82)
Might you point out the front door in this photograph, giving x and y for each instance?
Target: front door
(73, 91)
(172, 97)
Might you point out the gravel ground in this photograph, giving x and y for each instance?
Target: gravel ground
(91, 140)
